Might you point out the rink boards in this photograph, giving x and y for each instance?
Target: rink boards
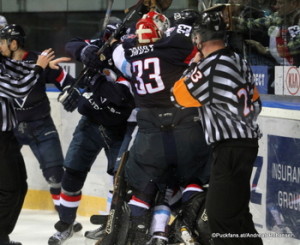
(275, 181)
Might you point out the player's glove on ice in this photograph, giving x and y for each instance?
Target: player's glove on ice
(69, 98)
(90, 58)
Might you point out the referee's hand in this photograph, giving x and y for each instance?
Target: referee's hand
(45, 57)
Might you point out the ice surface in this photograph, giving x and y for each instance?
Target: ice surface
(34, 227)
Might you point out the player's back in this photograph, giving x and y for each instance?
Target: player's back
(155, 67)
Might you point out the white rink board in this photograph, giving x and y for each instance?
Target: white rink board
(273, 121)
(97, 182)
(282, 124)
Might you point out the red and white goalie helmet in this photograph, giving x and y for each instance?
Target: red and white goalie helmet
(151, 27)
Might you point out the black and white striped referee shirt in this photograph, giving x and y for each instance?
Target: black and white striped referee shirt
(16, 80)
(223, 88)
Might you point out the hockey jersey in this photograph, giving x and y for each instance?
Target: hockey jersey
(156, 66)
(36, 104)
(103, 101)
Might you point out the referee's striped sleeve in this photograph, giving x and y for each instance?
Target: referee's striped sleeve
(12, 87)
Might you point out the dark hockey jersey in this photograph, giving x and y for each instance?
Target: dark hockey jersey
(155, 67)
(36, 104)
(105, 102)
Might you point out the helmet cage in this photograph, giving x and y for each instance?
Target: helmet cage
(151, 27)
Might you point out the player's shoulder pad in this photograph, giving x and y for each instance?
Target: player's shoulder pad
(179, 30)
(130, 41)
(175, 37)
(98, 42)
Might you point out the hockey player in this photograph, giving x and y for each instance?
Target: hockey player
(222, 86)
(105, 106)
(35, 126)
(165, 148)
(17, 79)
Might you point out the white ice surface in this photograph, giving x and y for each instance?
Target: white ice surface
(34, 227)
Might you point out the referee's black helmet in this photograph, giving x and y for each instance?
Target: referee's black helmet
(13, 32)
(210, 25)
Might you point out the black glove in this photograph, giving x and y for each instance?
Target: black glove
(90, 58)
(69, 98)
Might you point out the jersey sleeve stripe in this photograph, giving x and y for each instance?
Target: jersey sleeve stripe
(61, 77)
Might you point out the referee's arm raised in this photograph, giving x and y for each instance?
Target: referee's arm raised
(11, 86)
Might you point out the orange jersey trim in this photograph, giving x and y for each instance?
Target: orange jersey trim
(255, 94)
(183, 96)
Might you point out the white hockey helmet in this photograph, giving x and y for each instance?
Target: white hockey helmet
(3, 21)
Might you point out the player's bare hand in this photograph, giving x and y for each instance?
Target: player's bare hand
(54, 63)
(45, 57)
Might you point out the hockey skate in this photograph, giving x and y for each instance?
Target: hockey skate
(187, 237)
(158, 239)
(77, 226)
(64, 232)
(137, 237)
(96, 234)
(180, 234)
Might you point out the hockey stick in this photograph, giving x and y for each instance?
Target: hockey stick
(107, 14)
(86, 70)
(127, 18)
(119, 211)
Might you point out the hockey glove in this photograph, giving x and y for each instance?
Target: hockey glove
(69, 98)
(90, 58)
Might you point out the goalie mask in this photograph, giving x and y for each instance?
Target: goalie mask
(151, 27)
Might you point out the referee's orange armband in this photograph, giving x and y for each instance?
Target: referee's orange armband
(255, 94)
(183, 96)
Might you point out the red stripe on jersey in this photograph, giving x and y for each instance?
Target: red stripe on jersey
(61, 76)
(139, 200)
(25, 55)
(121, 79)
(70, 198)
(55, 197)
(191, 56)
(195, 186)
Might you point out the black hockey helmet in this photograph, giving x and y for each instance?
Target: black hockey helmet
(210, 25)
(186, 16)
(112, 25)
(13, 32)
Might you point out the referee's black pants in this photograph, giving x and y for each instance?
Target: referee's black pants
(228, 196)
(13, 185)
